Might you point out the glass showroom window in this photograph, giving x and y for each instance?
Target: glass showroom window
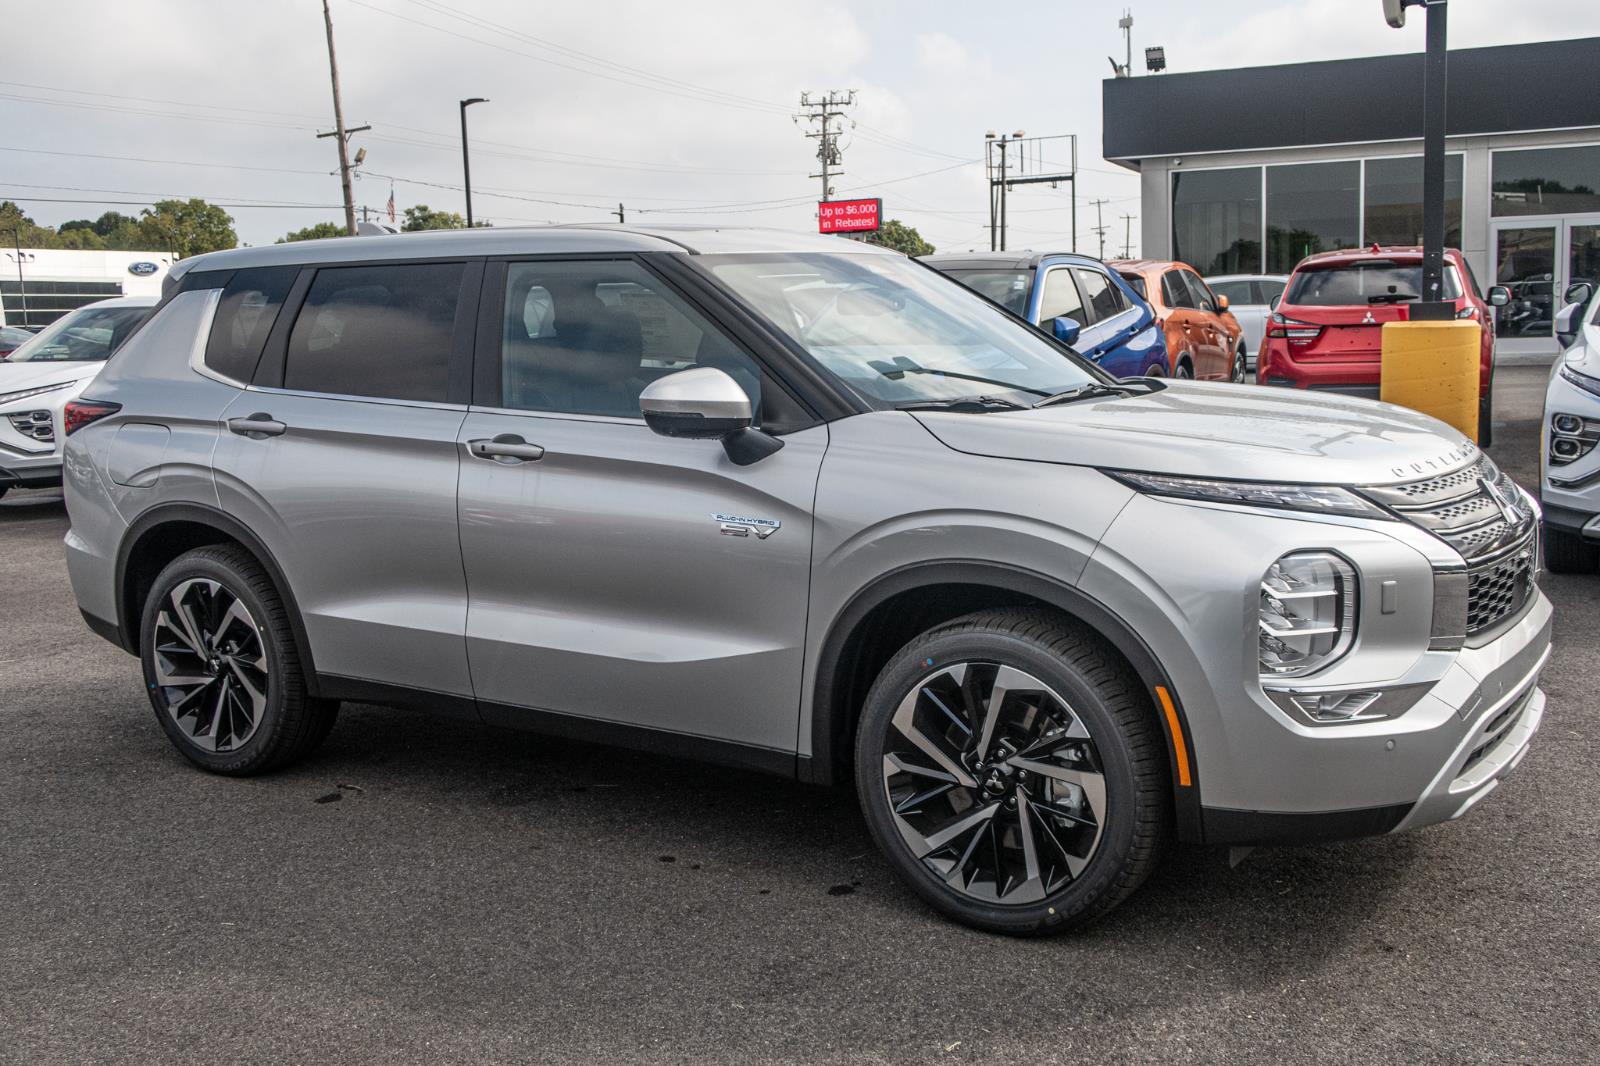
(1216, 220)
(1311, 207)
(1546, 181)
(1393, 201)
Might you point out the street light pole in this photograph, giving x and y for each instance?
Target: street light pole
(1435, 78)
(466, 163)
(22, 285)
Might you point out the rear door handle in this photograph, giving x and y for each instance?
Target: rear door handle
(258, 426)
(506, 448)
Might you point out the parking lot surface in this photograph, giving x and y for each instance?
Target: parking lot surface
(435, 891)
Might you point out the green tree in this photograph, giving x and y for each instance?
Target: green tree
(424, 217)
(111, 222)
(313, 233)
(899, 236)
(186, 227)
(28, 233)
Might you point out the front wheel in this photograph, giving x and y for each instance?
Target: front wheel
(1569, 553)
(1010, 767)
(1237, 376)
(221, 666)
(1183, 372)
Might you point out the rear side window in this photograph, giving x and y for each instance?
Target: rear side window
(1060, 297)
(382, 331)
(1174, 293)
(1237, 292)
(1138, 285)
(1266, 291)
(1105, 299)
(249, 305)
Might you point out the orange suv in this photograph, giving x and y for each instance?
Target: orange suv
(1202, 337)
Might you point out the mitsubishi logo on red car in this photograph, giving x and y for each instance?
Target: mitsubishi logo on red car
(1369, 320)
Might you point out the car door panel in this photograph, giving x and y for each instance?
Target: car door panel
(603, 583)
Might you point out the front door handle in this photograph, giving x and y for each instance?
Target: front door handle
(505, 448)
(258, 426)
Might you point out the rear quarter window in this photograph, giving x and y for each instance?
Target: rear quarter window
(249, 306)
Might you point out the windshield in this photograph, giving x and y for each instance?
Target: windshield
(1358, 284)
(1008, 288)
(897, 332)
(89, 334)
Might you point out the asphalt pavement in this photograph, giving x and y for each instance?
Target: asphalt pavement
(428, 890)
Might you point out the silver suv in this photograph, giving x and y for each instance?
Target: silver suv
(806, 506)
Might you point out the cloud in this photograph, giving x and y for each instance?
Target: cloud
(941, 53)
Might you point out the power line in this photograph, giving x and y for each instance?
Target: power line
(823, 114)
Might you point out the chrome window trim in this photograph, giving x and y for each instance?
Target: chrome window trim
(197, 354)
(431, 405)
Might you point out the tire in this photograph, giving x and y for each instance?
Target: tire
(1569, 553)
(1238, 373)
(1184, 372)
(1156, 370)
(1094, 797)
(221, 667)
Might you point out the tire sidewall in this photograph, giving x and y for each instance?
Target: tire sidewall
(201, 564)
(906, 670)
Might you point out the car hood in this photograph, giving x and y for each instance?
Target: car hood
(15, 377)
(1203, 429)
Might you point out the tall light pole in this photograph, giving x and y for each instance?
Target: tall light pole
(1434, 80)
(22, 286)
(466, 164)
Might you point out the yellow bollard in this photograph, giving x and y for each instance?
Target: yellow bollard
(1432, 367)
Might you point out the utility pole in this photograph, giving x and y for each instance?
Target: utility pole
(998, 166)
(1127, 236)
(823, 114)
(339, 132)
(619, 213)
(1100, 225)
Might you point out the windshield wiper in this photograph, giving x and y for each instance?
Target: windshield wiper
(901, 367)
(1092, 391)
(1392, 297)
(962, 403)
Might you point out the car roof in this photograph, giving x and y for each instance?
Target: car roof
(1142, 266)
(1247, 277)
(1006, 260)
(1404, 253)
(690, 238)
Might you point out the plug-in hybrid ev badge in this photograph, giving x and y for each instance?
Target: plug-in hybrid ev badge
(739, 526)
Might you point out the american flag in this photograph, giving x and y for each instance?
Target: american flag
(391, 203)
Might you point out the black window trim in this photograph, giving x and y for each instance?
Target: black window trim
(1088, 304)
(269, 375)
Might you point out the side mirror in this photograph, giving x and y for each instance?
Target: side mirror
(1066, 329)
(1222, 303)
(706, 404)
(1498, 295)
(1567, 324)
(1579, 292)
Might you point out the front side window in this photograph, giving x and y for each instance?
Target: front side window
(1266, 290)
(88, 335)
(382, 331)
(1362, 283)
(1174, 293)
(895, 332)
(1237, 292)
(1008, 288)
(1199, 295)
(1060, 297)
(587, 337)
(245, 313)
(1105, 299)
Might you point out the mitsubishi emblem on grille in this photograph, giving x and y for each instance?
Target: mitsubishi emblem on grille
(1492, 490)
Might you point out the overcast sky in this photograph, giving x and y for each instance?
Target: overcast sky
(679, 108)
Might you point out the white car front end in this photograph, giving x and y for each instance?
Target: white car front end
(1569, 474)
(41, 377)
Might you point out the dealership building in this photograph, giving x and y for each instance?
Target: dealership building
(1250, 170)
(39, 285)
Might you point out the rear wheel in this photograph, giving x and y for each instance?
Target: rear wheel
(1569, 553)
(1237, 377)
(1010, 768)
(221, 666)
(1184, 370)
(1156, 370)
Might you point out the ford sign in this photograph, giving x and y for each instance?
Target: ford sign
(143, 270)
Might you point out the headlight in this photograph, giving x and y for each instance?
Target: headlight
(1308, 613)
(23, 394)
(1581, 380)
(1316, 499)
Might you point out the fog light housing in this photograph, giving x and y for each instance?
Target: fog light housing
(1307, 617)
(1569, 424)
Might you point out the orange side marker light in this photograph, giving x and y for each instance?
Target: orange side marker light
(1175, 728)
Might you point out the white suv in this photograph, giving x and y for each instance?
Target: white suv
(1569, 479)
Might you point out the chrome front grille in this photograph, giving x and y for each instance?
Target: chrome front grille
(1481, 513)
(38, 425)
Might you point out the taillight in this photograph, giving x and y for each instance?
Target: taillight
(79, 413)
(1288, 328)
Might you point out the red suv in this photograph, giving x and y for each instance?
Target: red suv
(1326, 330)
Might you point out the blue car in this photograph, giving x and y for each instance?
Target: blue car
(1077, 298)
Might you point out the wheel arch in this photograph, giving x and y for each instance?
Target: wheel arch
(921, 595)
(167, 531)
